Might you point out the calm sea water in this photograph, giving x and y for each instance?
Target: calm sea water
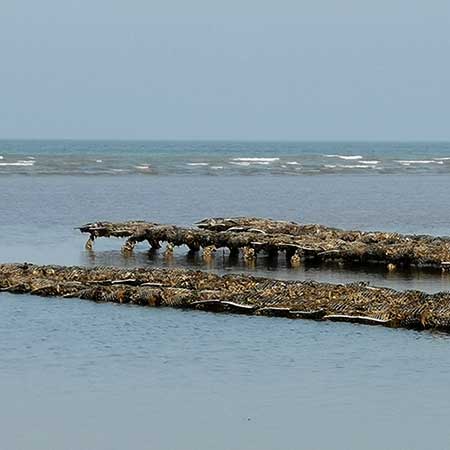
(75, 374)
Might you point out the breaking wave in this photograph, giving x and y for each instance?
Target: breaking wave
(346, 157)
(22, 163)
(419, 161)
(268, 160)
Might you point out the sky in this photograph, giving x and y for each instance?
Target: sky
(235, 69)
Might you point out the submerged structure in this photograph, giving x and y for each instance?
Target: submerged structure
(357, 302)
(299, 242)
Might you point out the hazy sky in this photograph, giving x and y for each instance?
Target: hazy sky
(235, 69)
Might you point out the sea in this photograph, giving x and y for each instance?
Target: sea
(81, 375)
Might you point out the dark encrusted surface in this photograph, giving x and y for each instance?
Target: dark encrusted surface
(357, 302)
(300, 242)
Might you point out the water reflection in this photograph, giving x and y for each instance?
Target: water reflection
(274, 266)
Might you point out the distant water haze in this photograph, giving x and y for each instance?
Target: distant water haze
(286, 70)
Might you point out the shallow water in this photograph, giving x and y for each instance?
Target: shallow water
(39, 215)
(75, 374)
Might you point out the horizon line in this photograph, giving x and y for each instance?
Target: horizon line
(230, 140)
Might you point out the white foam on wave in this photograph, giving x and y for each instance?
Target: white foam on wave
(1, 157)
(418, 161)
(248, 163)
(369, 163)
(346, 157)
(143, 167)
(444, 158)
(348, 166)
(18, 163)
(31, 157)
(292, 163)
(198, 164)
(256, 160)
(353, 166)
(216, 167)
(98, 161)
